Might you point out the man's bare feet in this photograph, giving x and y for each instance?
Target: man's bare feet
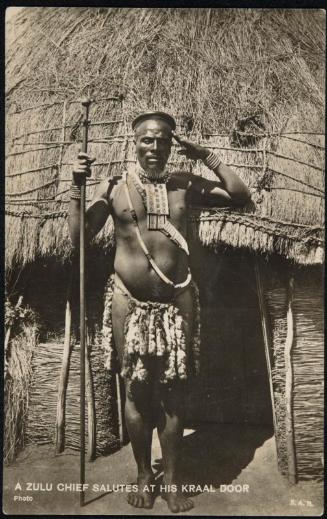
(177, 502)
(144, 497)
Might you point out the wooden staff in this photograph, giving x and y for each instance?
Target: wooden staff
(86, 104)
(90, 404)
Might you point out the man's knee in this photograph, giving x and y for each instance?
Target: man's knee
(173, 398)
(139, 395)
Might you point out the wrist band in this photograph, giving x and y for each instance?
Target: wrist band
(212, 161)
(75, 192)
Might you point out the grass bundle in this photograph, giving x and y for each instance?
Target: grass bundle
(17, 391)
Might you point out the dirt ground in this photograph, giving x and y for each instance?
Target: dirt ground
(243, 457)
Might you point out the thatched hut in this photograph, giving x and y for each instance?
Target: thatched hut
(247, 83)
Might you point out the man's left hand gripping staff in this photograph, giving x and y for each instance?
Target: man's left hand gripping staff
(82, 168)
(98, 211)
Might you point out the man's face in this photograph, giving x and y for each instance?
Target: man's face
(153, 144)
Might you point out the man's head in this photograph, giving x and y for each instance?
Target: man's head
(153, 138)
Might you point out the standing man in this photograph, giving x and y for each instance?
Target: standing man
(154, 311)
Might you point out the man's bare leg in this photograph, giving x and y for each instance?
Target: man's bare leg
(139, 425)
(171, 417)
(138, 417)
(170, 432)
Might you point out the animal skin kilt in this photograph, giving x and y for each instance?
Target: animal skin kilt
(152, 329)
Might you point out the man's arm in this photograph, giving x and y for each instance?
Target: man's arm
(229, 190)
(98, 211)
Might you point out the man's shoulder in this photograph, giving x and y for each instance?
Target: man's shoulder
(182, 178)
(115, 179)
(113, 183)
(107, 186)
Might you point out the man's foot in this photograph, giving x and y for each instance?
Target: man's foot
(177, 502)
(144, 497)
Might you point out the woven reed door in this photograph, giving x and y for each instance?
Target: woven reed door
(292, 300)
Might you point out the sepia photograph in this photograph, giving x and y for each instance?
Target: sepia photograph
(164, 261)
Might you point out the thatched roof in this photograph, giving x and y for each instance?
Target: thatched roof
(247, 83)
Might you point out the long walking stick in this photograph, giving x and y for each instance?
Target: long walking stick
(86, 104)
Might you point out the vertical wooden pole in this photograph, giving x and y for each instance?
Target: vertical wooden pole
(264, 324)
(63, 133)
(90, 407)
(291, 458)
(120, 410)
(62, 390)
(86, 105)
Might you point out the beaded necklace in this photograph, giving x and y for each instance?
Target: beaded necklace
(153, 190)
(159, 222)
(156, 178)
(144, 247)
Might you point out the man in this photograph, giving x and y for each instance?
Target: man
(152, 308)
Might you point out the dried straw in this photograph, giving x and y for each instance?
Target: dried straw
(277, 306)
(308, 394)
(268, 74)
(266, 225)
(17, 387)
(44, 393)
(307, 360)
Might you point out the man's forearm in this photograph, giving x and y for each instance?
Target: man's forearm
(231, 182)
(95, 216)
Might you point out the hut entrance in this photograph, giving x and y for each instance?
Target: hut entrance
(234, 385)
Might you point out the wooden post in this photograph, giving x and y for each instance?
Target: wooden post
(291, 458)
(62, 390)
(264, 324)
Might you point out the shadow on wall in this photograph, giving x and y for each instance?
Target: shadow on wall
(216, 454)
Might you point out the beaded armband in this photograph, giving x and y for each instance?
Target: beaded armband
(212, 161)
(75, 192)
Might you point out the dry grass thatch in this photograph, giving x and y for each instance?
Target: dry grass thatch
(17, 384)
(43, 390)
(247, 83)
(308, 370)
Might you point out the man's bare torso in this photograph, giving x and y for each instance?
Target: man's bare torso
(131, 263)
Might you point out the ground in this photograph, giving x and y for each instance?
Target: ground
(242, 456)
